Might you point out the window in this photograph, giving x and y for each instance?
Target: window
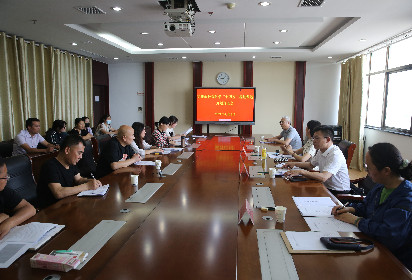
(389, 91)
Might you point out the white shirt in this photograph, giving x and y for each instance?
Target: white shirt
(24, 137)
(333, 161)
(102, 126)
(139, 151)
(170, 130)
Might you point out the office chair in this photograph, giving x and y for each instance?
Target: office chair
(87, 165)
(6, 148)
(359, 189)
(98, 144)
(347, 148)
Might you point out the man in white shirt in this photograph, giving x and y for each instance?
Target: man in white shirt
(28, 139)
(333, 171)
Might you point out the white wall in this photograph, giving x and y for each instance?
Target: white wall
(125, 81)
(403, 143)
(322, 92)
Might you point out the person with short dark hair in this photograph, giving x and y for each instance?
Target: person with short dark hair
(28, 139)
(386, 212)
(308, 150)
(60, 177)
(87, 125)
(13, 209)
(117, 153)
(289, 134)
(159, 135)
(139, 145)
(57, 132)
(104, 126)
(333, 171)
(79, 129)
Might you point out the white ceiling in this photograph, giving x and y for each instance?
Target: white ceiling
(314, 33)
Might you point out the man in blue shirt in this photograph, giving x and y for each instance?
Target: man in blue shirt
(289, 134)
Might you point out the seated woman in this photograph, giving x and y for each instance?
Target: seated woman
(56, 134)
(87, 125)
(139, 145)
(386, 212)
(308, 150)
(79, 129)
(159, 135)
(104, 126)
(13, 209)
(170, 130)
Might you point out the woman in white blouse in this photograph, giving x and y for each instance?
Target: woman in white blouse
(308, 150)
(139, 145)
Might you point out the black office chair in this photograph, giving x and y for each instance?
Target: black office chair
(359, 189)
(21, 179)
(6, 148)
(87, 165)
(99, 142)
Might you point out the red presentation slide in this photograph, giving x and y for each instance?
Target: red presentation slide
(225, 104)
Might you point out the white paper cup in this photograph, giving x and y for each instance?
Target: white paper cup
(257, 149)
(262, 138)
(134, 179)
(280, 214)
(272, 172)
(158, 163)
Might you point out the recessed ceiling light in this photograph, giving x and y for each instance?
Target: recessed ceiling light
(276, 42)
(115, 58)
(184, 57)
(117, 9)
(217, 43)
(212, 31)
(254, 56)
(283, 30)
(362, 40)
(329, 57)
(160, 44)
(145, 33)
(264, 4)
(74, 44)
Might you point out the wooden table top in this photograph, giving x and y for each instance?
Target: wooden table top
(188, 229)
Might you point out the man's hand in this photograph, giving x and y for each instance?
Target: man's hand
(287, 149)
(93, 184)
(50, 149)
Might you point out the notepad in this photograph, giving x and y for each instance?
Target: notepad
(314, 206)
(188, 131)
(329, 224)
(145, 162)
(100, 191)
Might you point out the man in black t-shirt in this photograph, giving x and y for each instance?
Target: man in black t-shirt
(59, 177)
(13, 209)
(118, 153)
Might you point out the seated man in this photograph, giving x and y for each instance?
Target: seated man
(13, 209)
(117, 153)
(289, 134)
(333, 171)
(308, 150)
(60, 177)
(28, 139)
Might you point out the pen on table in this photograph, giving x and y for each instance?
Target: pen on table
(263, 172)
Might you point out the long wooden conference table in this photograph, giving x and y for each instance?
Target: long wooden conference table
(189, 228)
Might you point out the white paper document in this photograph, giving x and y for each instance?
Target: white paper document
(188, 131)
(29, 233)
(146, 162)
(314, 206)
(100, 191)
(199, 136)
(329, 224)
(173, 149)
(46, 237)
(11, 251)
(309, 240)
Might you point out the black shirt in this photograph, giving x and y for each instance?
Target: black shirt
(83, 132)
(54, 137)
(112, 152)
(53, 171)
(9, 199)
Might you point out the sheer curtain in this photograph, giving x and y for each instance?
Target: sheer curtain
(41, 82)
(352, 107)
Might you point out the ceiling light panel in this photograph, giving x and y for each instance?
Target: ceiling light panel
(90, 10)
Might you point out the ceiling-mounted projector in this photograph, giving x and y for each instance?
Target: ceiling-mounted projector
(182, 17)
(178, 29)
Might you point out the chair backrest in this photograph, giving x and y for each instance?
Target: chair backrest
(6, 148)
(149, 137)
(21, 180)
(98, 144)
(87, 165)
(347, 148)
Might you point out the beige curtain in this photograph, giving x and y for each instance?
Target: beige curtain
(352, 107)
(40, 82)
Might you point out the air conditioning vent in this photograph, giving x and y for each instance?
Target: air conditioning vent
(275, 57)
(311, 3)
(90, 10)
